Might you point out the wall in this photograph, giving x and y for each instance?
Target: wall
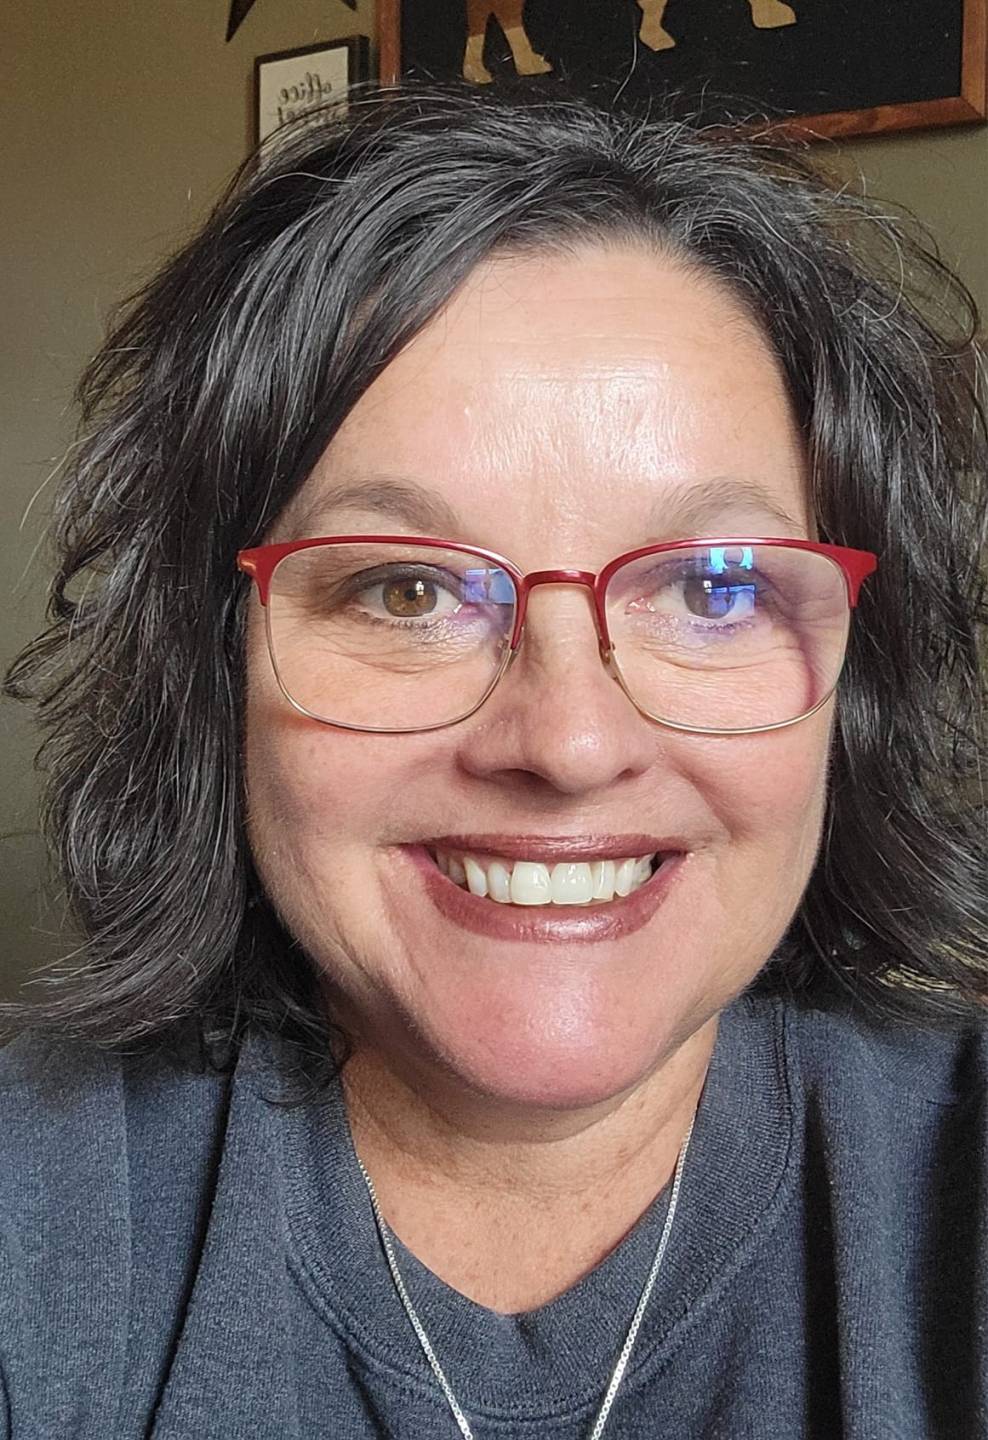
(942, 176)
(121, 121)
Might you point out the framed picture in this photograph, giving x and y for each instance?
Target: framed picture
(833, 67)
(290, 83)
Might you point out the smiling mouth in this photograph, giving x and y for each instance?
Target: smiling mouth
(591, 884)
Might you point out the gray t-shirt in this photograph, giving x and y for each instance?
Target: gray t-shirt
(180, 1258)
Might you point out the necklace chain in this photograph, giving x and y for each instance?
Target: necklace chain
(626, 1349)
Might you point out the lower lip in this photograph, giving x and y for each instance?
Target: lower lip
(577, 924)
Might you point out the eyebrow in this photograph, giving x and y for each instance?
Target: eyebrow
(689, 508)
(404, 499)
(694, 507)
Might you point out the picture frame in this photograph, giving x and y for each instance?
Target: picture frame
(828, 68)
(290, 83)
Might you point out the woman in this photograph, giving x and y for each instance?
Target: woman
(523, 993)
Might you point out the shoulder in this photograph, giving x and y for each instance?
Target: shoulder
(847, 1050)
(887, 1128)
(92, 1143)
(54, 1097)
(107, 1164)
(62, 1194)
(41, 1064)
(76, 1120)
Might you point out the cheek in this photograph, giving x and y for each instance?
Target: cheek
(768, 791)
(311, 788)
(286, 781)
(765, 798)
(304, 788)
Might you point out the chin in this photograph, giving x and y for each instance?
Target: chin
(551, 1070)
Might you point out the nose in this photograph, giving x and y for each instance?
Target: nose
(557, 713)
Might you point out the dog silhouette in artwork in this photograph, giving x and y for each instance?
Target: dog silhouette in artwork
(508, 15)
(765, 15)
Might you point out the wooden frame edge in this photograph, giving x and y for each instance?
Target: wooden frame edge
(389, 41)
(967, 108)
(974, 60)
(886, 119)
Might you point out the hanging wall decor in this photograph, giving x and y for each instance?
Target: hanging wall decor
(290, 84)
(832, 67)
(240, 9)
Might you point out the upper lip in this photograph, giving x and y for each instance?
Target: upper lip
(556, 849)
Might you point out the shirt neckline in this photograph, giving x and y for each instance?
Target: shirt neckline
(558, 1358)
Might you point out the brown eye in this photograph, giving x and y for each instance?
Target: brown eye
(708, 599)
(409, 598)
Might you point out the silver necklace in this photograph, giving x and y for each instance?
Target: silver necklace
(632, 1335)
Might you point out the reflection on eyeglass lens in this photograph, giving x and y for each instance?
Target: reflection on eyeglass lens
(721, 637)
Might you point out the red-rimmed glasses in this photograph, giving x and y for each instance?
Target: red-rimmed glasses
(396, 633)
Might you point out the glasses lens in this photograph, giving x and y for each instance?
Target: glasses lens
(728, 638)
(389, 637)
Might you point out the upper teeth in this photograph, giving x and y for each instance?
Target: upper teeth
(527, 882)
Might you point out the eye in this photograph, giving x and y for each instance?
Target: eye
(408, 597)
(716, 597)
(719, 598)
(417, 594)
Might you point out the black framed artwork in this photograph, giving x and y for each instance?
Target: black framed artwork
(831, 67)
(288, 84)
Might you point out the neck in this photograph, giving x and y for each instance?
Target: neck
(513, 1207)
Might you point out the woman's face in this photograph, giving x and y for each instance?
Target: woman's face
(567, 409)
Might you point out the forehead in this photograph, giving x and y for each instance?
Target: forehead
(568, 401)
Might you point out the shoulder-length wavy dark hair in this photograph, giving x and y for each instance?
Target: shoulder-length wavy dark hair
(229, 373)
